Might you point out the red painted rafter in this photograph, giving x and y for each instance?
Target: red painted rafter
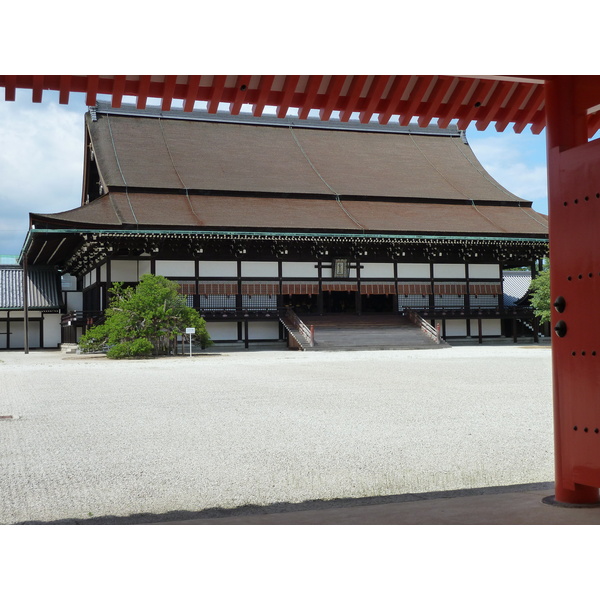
(373, 97)
(393, 98)
(503, 89)
(310, 93)
(168, 91)
(191, 93)
(334, 90)
(354, 91)
(432, 106)
(143, 91)
(415, 98)
(240, 94)
(64, 89)
(533, 106)
(508, 113)
(262, 94)
(287, 94)
(118, 90)
(91, 91)
(454, 103)
(479, 96)
(37, 89)
(216, 93)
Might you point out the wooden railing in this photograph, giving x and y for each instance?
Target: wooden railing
(427, 328)
(308, 333)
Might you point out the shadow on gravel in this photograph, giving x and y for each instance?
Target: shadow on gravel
(283, 507)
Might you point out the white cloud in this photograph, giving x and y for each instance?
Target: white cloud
(516, 161)
(41, 165)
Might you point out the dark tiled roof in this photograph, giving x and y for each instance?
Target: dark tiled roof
(43, 291)
(168, 153)
(152, 210)
(516, 285)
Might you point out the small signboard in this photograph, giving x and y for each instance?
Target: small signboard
(190, 330)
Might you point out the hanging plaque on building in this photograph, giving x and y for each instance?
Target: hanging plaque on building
(341, 269)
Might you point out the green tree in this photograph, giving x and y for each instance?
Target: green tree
(539, 290)
(144, 320)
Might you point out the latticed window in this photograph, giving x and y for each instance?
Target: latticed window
(450, 294)
(259, 302)
(485, 294)
(413, 294)
(217, 302)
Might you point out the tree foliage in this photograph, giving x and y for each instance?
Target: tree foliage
(540, 294)
(144, 320)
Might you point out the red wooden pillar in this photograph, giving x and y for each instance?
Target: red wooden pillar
(574, 211)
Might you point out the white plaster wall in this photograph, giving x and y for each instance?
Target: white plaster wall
(413, 270)
(383, 270)
(218, 268)
(74, 301)
(260, 269)
(449, 270)
(328, 273)
(456, 327)
(51, 331)
(263, 331)
(176, 268)
(124, 270)
(484, 271)
(488, 327)
(17, 339)
(299, 269)
(222, 331)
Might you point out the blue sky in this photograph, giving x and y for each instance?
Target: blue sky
(41, 161)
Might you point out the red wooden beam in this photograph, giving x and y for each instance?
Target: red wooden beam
(310, 93)
(168, 91)
(501, 92)
(373, 97)
(143, 91)
(240, 94)
(334, 90)
(118, 90)
(216, 93)
(393, 98)
(37, 88)
(91, 91)
(478, 98)
(191, 93)
(437, 95)
(64, 89)
(354, 91)
(517, 98)
(264, 90)
(453, 104)
(593, 124)
(289, 89)
(10, 87)
(416, 96)
(522, 120)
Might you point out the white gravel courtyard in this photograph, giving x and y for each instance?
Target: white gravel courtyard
(94, 438)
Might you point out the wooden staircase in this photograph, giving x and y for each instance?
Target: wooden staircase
(367, 332)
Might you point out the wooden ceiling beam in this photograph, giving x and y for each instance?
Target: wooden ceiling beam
(334, 89)
(37, 88)
(478, 98)
(501, 92)
(287, 94)
(168, 91)
(64, 89)
(453, 103)
(118, 90)
(263, 93)
(534, 104)
(432, 106)
(416, 97)
(356, 87)
(393, 98)
(91, 91)
(240, 94)
(310, 93)
(516, 99)
(216, 93)
(143, 91)
(191, 93)
(373, 97)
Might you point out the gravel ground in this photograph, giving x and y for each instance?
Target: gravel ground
(93, 438)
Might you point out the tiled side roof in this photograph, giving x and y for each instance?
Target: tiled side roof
(151, 152)
(166, 211)
(43, 289)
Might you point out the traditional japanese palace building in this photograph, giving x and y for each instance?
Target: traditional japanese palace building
(253, 215)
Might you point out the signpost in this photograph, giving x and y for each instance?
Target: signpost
(190, 331)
